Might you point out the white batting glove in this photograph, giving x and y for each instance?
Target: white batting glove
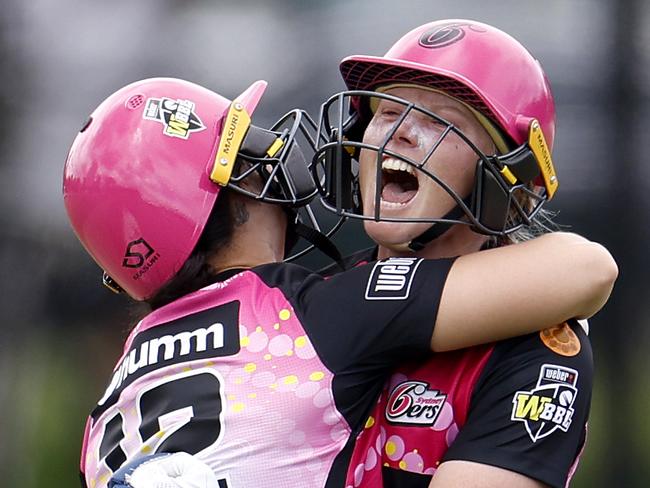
(177, 470)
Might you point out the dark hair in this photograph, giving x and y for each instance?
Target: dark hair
(196, 272)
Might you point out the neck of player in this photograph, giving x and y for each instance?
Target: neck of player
(258, 236)
(457, 241)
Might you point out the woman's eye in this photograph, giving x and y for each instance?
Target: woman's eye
(390, 112)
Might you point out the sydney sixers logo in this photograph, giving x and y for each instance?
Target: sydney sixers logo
(411, 402)
(447, 34)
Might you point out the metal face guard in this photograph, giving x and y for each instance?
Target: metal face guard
(506, 195)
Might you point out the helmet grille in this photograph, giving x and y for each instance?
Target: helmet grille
(135, 101)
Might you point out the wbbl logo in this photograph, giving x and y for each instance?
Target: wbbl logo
(548, 406)
(177, 116)
(411, 402)
(391, 279)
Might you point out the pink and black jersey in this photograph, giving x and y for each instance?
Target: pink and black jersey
(520, 404)
(267, 375)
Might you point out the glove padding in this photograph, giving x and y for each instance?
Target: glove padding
(177, 470)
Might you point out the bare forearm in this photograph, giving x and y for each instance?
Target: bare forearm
(522, 288)
(465, 474)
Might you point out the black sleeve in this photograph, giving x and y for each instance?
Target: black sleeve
(530, 406)
(358, 258)
(366, 320)
(380, 312)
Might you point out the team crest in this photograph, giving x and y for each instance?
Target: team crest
(548, 406)
(412, 403)
(177, 116)
(446, 34)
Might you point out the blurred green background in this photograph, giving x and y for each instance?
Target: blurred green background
(62, 331)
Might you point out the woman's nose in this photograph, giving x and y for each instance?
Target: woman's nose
(406, 132)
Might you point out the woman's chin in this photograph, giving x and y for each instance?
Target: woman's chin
(394, 235)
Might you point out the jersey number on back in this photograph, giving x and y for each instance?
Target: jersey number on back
(181, 414)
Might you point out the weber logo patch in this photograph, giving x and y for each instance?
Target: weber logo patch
(548, 406)
(413, 403)
(391, 279)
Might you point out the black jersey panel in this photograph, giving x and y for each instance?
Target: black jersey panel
(530, 406)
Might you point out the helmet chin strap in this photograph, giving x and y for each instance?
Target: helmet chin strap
(297, 230)
(320, 241)
(437, 229)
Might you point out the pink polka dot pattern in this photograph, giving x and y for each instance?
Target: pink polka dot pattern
(371, 460)
(281, 345)
(305, 351)
(381, 439)
(358, 474)
(257, 341)
(263, 379)
(307, 389)
(451, 434)
(274, 388)
(339, 432)
(412, 461)
(406, 447)
(330, 416)
(322, 398)
(296, 438)
(445, 417)
(394, 447)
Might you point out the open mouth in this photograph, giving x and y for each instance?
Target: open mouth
(399, 184)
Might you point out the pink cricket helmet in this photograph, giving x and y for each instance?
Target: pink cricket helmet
(471, 61)
(137, 184)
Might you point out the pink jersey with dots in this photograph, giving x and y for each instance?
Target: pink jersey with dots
(264, 375)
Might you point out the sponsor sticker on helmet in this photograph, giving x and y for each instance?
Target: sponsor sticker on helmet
(141, 256)
(235, 128)
(413, 403)
(177, 116)
(391, 279)
(537, 144)
(549, 406)
(446, 34)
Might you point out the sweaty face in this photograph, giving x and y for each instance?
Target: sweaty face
(406, 191)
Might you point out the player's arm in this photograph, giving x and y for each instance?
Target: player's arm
(467, 474)
(513, 290)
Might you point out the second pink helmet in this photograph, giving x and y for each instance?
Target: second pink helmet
(143, 175)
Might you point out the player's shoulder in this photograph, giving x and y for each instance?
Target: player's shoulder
(289, 278)
(567, 340)
(562, 350)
